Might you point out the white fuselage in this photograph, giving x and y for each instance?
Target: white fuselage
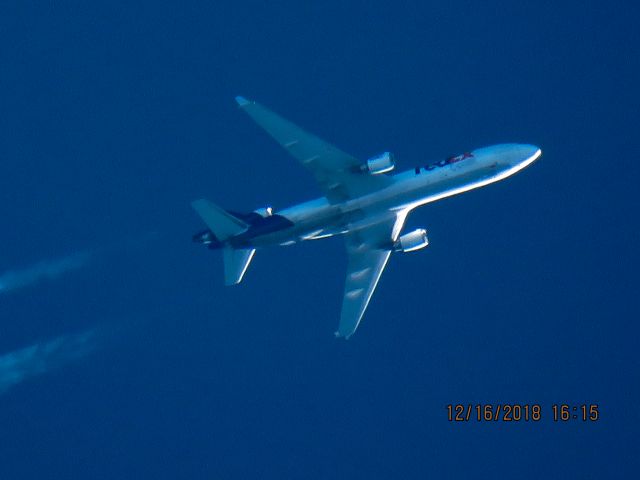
(410, 189)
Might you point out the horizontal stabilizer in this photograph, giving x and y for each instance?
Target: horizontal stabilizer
(221, 223)
(236, 262)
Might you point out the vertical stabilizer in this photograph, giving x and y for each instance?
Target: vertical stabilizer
(236, 262)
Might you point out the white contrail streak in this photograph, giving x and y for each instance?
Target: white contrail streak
(42, 357)
(47, 270)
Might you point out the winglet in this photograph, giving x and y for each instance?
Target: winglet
(242, 101)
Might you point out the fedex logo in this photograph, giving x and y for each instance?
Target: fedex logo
(446, 161)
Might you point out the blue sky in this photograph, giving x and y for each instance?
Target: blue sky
(129, 358)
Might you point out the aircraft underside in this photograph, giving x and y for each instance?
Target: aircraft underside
(363, 202)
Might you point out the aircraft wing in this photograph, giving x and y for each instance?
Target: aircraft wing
(337, 172)
(368, 250)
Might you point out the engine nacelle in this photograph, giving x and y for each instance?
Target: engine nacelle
(382, 163)
(264, 212)
(412, 241)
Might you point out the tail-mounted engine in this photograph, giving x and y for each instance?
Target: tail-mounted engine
(412, 241)
(264, 212)
(382, 163)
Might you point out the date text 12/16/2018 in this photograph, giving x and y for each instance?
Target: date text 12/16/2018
(514, 412)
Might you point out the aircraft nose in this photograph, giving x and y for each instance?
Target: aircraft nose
(527, 154)
(510, 155)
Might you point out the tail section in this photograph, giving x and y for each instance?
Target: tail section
(236, 262)
(221, 223)
(223, 226)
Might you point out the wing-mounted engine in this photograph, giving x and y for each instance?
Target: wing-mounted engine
(411, 241)
(383, 163)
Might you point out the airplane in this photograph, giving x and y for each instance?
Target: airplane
(363, 201)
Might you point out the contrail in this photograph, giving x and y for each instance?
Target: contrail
(52, 269)
(47, 270)
(42, 357)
